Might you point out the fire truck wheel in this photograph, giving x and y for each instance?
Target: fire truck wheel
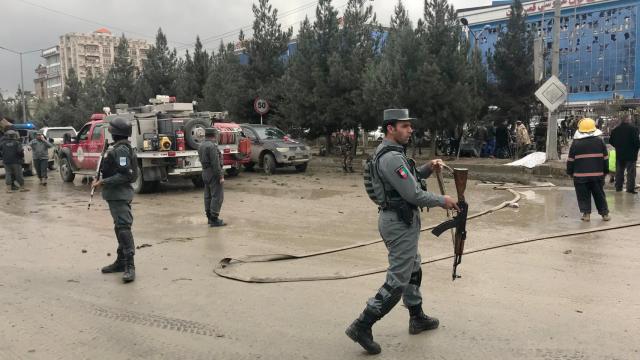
(140, 186)
(269, 164)
(66, 172)
(197, 181)
(194, 132)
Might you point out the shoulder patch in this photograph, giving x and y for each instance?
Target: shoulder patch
(123, 161)
(402, 172)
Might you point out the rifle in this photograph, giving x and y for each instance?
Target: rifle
(459, 221)
(98, 171)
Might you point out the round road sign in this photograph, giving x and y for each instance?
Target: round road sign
(261, 106)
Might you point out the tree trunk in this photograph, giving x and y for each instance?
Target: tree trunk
(434, 143)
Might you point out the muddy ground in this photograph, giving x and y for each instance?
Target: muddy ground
(573, 297)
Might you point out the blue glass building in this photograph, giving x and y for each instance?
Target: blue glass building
(599, 52)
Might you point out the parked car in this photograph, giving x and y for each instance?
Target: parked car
(376, 135)
(57, 133)
(272, 148)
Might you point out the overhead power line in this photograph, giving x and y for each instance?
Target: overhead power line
(93, 21)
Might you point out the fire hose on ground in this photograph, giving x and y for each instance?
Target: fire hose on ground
(223, 269)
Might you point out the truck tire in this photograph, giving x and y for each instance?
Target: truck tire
(66, 172)
(194, 132)
(233, 172)
(269, 164)
(198, 182)
(301, 167)
(140, 186)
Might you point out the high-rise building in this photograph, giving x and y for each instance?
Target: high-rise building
(91, 53)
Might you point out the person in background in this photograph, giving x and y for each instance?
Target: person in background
(627, 143)
(523, 141)
(587, 164)
(12, 155)
(40, 147)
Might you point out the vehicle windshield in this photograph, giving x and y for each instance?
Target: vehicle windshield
(59, 133)
(269, 133)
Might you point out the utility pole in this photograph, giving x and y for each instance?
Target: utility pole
(552, 125)
(23, 100)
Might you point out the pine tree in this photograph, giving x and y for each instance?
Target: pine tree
(265, 50)
(72, 88)
(92, 98)
(119, 81)
(186, 84)
(444, 78)
(226, 86)
(298, 105)
(512, 66)
(159, 68)
(201, 67)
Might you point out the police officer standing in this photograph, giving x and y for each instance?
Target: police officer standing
(346, 147)
(213, 177)
(119, 170)
(40, 147)
(399, 226)
(12, 155)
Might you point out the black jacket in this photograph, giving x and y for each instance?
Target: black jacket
(588, 159)
(626, 141)
(11, 151)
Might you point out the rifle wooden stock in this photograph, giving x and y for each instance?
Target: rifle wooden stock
(460, 178)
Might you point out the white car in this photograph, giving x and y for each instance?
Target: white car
(57, 133)
(376, 135)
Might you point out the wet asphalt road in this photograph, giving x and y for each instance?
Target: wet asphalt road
(568, 298)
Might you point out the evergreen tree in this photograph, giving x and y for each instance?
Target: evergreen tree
(119, 80)
(512, 66)
(186, 82)
(159, 68)
(201, 68)
(141, 92)
(444, 77)
(298, 105)
(266, 65)
(226, 87)
(72, 88)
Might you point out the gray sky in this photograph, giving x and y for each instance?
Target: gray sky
(27, 26)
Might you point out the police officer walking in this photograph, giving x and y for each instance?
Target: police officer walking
(213, 177)
(395, 187)
(12, 156)
(40, 147)
(119, 170)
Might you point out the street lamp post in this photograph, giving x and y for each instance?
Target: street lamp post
(24, 103)
(465, 23)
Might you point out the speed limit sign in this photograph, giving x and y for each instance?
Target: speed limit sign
(261, 106)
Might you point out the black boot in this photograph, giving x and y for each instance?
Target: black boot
(129, 270)
(216, 222)
(419, 322)
(117, 266)
(209, 218)
(360, 332)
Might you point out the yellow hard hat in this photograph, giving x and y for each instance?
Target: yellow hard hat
(587, 125)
